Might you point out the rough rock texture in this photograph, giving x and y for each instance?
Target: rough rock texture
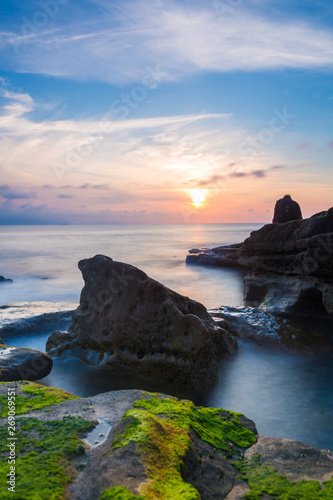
(129, 322)
(21, 363)
(291, 263)
(294, 460)
(151, 446)
(225, 256)
(266, 329)
(297, 248)
(292, 266)
(278, 293)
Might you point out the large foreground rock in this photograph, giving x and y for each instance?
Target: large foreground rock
(21, 363)
(136, 445)
(291, 265)
(128, 322)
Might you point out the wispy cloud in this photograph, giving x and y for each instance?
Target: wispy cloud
(16, 195)
(119, 43)
(231, 170)
(304, 146)
(94, 186)
(121, 149)
(135, 162)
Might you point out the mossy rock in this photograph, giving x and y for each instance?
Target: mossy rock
(31, 396)
(266, 482)
(43, 457)
(158, 447)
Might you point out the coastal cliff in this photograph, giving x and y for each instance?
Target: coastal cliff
(290, 264)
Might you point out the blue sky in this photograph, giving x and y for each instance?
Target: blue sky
(164, 111)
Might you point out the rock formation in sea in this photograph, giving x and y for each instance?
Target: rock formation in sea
(138, 445)
(5, 280)
(291, 265)
(130, 323)
(270, 330)
(21, 363)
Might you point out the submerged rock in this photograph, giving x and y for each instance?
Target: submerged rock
(155, 447)
(225, 256)
(21, 363)
(266, 329)
(129, 322)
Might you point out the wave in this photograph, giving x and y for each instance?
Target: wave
(41, 324)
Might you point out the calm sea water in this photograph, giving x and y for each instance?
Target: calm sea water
(287, 395)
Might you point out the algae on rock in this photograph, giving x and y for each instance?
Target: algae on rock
(40, 397)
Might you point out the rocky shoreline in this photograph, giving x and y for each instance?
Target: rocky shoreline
(290, 265)
(125, 445)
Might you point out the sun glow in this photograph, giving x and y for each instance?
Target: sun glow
(198, 197)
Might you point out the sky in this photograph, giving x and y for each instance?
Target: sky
(164, 111)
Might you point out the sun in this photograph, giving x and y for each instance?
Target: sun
(198, 197)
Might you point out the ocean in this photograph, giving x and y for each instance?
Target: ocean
(288, 395)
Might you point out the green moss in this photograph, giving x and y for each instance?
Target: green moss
(42, 450)
(161, 429)
(214, 426)
(40, 397)
(265, 480)
(119, 493)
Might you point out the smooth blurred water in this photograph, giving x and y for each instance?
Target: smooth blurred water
(287, 394)
(28, 254)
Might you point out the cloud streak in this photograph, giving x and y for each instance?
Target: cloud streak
(118, 44)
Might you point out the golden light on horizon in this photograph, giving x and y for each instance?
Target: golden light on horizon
(198, 196)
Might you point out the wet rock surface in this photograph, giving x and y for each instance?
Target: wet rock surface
(300, 295)
(130, 323)
(21, 363)
(291, 265)
(224, 256)
(267, 329)
(155, 446)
